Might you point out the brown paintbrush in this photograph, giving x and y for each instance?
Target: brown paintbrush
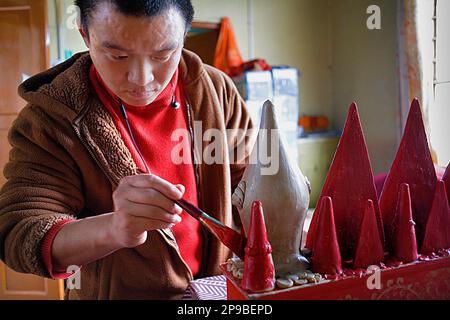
(229, 237)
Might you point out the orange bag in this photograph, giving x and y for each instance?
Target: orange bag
(227, 56)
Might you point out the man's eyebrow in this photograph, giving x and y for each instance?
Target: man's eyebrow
(169, 47)
(110, 45)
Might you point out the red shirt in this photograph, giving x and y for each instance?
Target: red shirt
(153, 127)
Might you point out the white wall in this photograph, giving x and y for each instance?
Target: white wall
(365, 70)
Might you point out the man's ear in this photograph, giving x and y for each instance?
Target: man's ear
(85, 36)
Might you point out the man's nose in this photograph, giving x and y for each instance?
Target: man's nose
(141, 73)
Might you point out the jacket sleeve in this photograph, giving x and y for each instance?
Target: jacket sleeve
(43, 187)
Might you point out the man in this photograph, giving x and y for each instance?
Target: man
(93, 173)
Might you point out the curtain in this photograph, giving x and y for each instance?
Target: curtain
(415, 59)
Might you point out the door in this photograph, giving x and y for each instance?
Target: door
(23, 52)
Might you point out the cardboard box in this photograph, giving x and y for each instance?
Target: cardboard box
(422, 280)
(281, 87)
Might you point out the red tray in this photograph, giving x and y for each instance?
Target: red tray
(424, 280)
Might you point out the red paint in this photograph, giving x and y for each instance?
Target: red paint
(405, 249)
(437, 231)
(259, 271)
(412, 165)
(349, 183)
(369, 250)
(326, 257)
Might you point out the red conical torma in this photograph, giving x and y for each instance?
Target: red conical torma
(259, 271)
(349, 183)
(412, 165)
(370, 248)
(446, 179)
(326, 257)
(405, 242)
(437, 231)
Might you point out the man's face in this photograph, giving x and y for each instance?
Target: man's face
(135, 56)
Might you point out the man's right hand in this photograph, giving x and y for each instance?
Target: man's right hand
(143, 203)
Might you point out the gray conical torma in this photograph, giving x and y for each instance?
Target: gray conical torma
(278, 183)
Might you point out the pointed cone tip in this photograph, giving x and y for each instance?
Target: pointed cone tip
(268, 117)
(447, 172)
(326, 256)
(404, 192)
(404, 203)
(446, 176)
(440, 186)
(404, 186)
(353, 121)
(268, 104)
(257, 205)
(326, 213)
(415, 109)
(436, 234)
(327, 203)
(446, 180)
(369, 248)
(268, 108)
(406, 242)
(353, 110)
(257, 229)
(415, 102)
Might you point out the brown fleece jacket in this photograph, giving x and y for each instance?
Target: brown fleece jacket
(67, 158)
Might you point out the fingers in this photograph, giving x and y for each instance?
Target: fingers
(143, 203)
(151, 197)
(154, 182)
(181, 188)
(153, 213)
(136, 225)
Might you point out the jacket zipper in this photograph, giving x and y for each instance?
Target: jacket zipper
(196, 166)
(200, 199)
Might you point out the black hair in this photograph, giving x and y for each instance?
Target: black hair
(138, 8)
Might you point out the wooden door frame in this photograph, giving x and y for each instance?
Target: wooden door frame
(41, 59)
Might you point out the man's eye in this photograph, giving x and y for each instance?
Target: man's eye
(165, 58)
(119, 57)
